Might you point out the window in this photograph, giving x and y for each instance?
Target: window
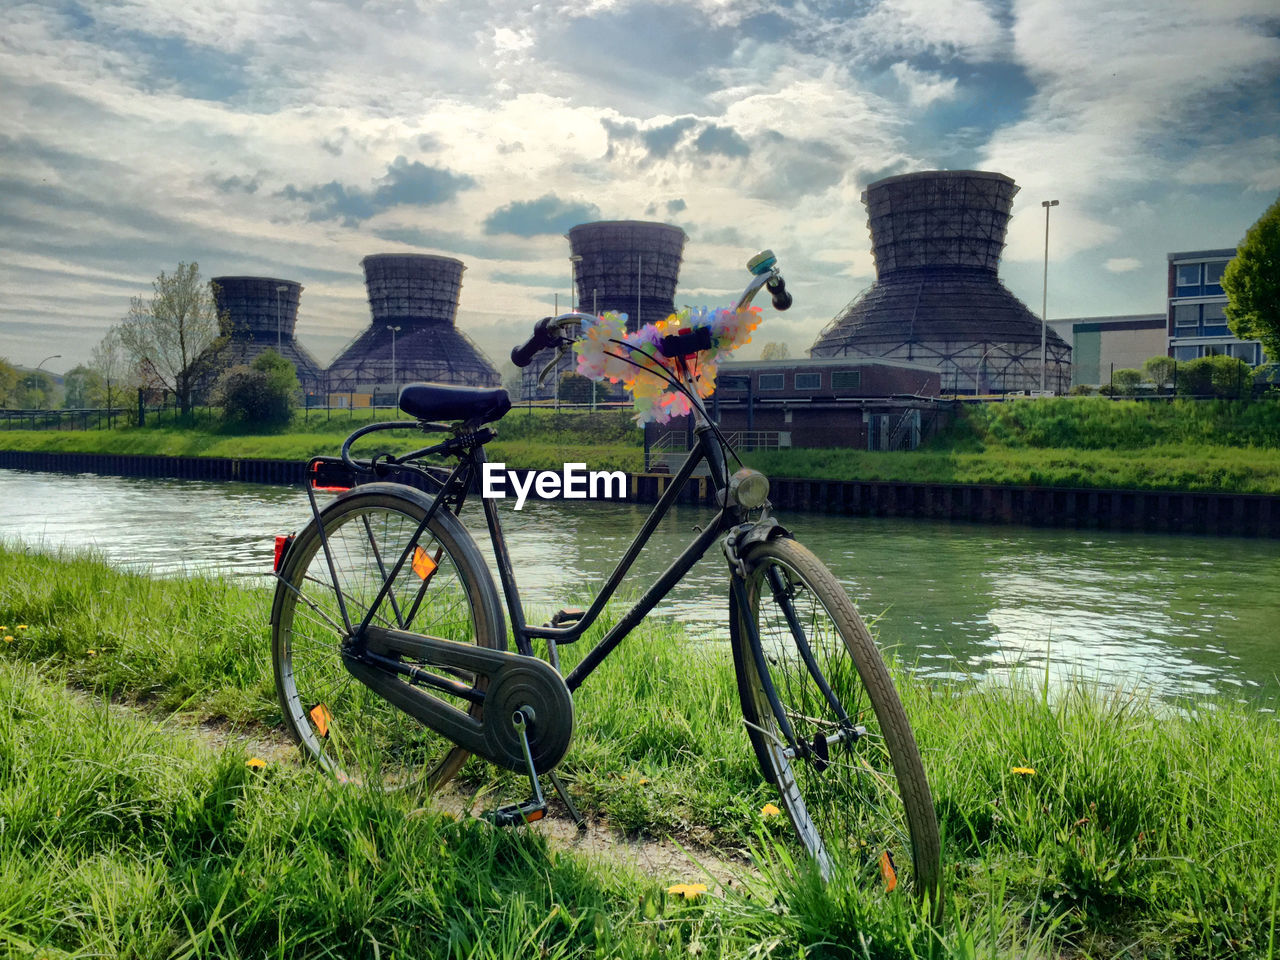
(1213, 272)
(1184, 354)
(808, 381)
(846, 380)
(1186, 318)
(772, 381)
(1188, 275)
(1248, 352)
(1215, 320)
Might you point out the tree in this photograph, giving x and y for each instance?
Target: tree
(8, 382)
(35, 391)
(79, 384)
(115, 372)
(166, 335)
(1252, 284)
(575, 388)
(775, 351)
(262, 394)
(1159, 370)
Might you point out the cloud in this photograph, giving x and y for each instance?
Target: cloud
(405, 183)
(923, 88)
(1122, 264)
(724, 141)
(683, 140)
(548, 214)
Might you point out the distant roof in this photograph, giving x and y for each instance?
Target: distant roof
(1227, 252)
(1156, 319)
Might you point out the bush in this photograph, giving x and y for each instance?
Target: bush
(263, 394)
(1218, 376)
(1125, 382)
(1082, 390)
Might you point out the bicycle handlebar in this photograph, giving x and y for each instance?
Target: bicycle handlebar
(546, 332)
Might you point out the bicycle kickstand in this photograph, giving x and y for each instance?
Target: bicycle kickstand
(535, 808)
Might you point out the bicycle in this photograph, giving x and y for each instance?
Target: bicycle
(389, 641)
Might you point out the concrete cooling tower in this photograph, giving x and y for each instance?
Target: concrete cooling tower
(630, 266)
(259, 313)
(418, 294)
(937, 237)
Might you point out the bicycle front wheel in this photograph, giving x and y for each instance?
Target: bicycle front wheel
(443, 590)
(827, 726)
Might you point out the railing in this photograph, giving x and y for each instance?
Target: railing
(669, 452)
(93, 418)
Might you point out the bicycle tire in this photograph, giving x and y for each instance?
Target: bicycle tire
(867, 797)
(343, 725)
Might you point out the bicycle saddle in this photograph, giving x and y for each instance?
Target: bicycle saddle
(449, 401)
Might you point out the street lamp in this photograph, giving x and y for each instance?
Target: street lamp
(281, 288)
(1044, 301)
(395, 382)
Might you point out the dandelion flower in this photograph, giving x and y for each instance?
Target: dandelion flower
(8, 638)
(690, 891)
(770, 810)
(21, 626)
(93, 652)
(642, 781)
(1025, 771)
(255, 763)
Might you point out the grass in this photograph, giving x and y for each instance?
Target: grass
(1146, 829)
(1093, 442)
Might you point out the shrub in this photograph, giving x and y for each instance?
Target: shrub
(1218, 376)
(263, 394)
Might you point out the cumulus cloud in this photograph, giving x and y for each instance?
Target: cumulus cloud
(548, 214)
(406, 182)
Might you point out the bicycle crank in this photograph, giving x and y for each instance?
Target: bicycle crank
(505, 683)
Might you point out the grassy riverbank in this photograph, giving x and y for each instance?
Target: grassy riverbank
(1144, 831)
(1067, 442)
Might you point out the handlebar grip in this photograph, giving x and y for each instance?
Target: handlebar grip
(778, 290)
(523, 355)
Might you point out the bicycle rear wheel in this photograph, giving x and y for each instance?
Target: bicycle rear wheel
(444, 591)
(843, 759)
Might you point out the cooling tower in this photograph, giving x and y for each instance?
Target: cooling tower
(630, 266)
(937, 237)
(418, 294)
(257, 314)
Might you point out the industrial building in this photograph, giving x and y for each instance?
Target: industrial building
(413, 337)
(624, 266)
(937, 238)
(257, 314)
(1102, 345)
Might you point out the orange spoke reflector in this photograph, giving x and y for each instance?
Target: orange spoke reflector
(888, 872)
(423, 565)
(320, 719)
(533, 815)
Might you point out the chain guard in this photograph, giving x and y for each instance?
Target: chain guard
(513, 681)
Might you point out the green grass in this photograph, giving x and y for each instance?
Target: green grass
(1146, 830)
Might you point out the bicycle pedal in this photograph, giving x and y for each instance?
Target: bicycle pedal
(528, 812)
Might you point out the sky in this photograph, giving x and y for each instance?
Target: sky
(290, 140)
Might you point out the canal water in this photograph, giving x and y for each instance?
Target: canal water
(1178, 615)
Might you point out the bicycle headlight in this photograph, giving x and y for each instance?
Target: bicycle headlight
(748, 488)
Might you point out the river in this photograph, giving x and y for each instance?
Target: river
(1179, 615)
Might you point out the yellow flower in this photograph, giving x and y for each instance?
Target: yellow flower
(255, 763)
(8, 638)
(21, 626)
(690, 891)
(92, 652)
(642, 781)
(1025, 771)
(770, 810)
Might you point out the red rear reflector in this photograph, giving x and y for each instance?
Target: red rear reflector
(533, 815)
(330, 489)
(282, 547)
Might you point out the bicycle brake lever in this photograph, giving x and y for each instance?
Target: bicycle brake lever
(555, 361)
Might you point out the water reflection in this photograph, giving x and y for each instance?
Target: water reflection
(1179, 614)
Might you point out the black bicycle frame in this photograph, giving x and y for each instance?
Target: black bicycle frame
(708, 450)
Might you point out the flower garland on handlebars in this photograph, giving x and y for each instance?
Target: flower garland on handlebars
(636, 360)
